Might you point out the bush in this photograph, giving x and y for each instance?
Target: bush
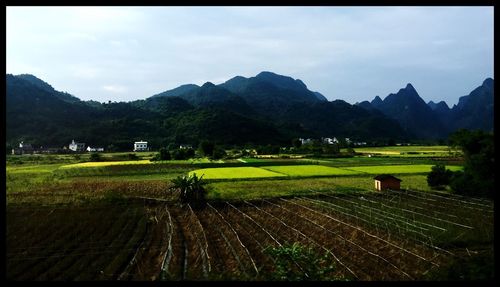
(190, 190)
(182, 154)
(163, 154)
(439, 176)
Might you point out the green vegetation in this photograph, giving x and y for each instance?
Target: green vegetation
(410, 151)
(235, 172)
(105, 163)
(478, 176)
(269, 188)
(398, 169)
(309, 170)
(294, 262)
(439, 177)
(190, 189)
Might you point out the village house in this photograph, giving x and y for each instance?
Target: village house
(140, 146)
(94, 149)
(185, 146)
(23, 149)
(78, 147)
(387, 181)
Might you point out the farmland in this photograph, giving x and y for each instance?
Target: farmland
(310, 171)
(122, 222)
(367, 237)
(410, 151)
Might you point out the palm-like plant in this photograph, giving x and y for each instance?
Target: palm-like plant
(190, 189)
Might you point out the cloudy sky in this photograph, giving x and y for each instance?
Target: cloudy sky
(348, 53)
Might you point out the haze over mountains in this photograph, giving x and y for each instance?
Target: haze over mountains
(265, 109)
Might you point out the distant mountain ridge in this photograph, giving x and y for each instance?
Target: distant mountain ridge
(267, 108)
(431, 120)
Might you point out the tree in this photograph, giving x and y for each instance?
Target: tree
(218, 153)
(164, 154)
(182, 154)
(439, 176)
(206, 148)
(477, 178)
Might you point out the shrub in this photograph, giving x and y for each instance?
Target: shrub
(163, 154)
(182, 154)
(190, 189)
(439, 176)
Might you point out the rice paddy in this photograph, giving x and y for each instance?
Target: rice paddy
(235, 172)
(309, 170)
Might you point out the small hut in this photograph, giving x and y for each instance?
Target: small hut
(387, 181)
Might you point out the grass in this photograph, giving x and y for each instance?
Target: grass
(235, 172)
(309, 170)
(268, 188)
(398, 169)
(410, 151)
(32, 168)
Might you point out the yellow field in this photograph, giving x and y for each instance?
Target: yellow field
(106, 163)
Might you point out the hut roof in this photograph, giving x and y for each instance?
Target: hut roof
(386, 176)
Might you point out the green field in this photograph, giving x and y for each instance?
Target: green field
(235, 172)
(410, 151)
(309, 170)
(398, 169)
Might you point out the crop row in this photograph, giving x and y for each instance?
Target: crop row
(379, 236)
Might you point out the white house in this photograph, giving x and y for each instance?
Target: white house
(94, 149)
(74, 146)
(185, 146)
(140, 146)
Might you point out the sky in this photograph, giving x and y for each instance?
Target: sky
(348, 53)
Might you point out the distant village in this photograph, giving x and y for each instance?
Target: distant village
(73, 147)
(333, 140)
(139, 146)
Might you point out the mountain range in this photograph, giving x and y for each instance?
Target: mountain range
(265, 109)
